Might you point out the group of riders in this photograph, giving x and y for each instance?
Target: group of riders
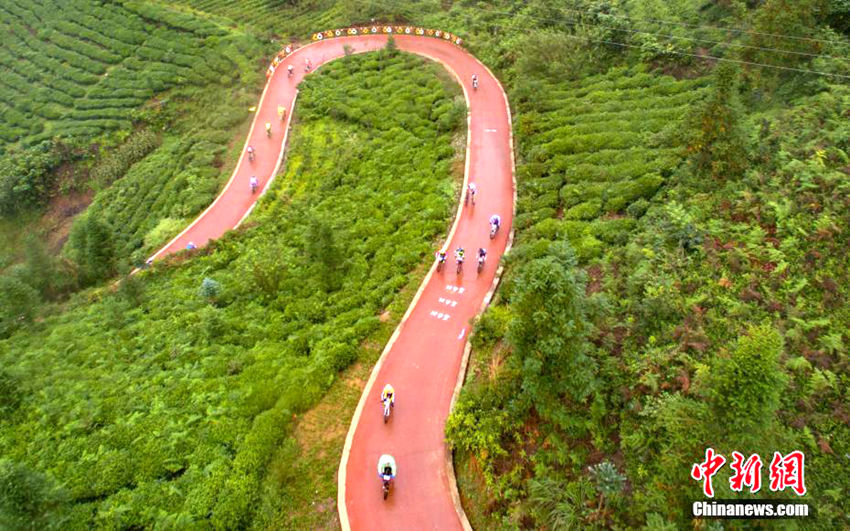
(387, 468)
(460, 252)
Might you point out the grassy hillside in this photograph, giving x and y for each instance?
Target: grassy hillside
(88, 91)
(595, 151)
(161, 404)
(678, 283)
(679, 224)
(79, 68)
(283, 18)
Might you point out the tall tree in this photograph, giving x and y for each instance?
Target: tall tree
(323, 251)
(93, 248)
(775, 21)
(548, 332)
(18, 303)
(718, 146)
(745, 387)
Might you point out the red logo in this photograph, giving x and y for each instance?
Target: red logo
(705, 471)
(788, 471)
(785, 472)
(746, 473)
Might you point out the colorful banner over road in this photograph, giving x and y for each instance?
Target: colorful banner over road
(387, 29)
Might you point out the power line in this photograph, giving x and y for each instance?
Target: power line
(724, 59)
(730, 29)
(694, 39)
(684, 54)
(573, 22)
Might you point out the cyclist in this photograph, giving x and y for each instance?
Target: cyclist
(268, 128)
(190, 246)
(482, 255)
(307, 65)
(251, 153)
(254, 183)
(475, 81)
(388, 394)
(387, 471)
(496, 221)
(471, 190)
(290, 70)
(281, 112)
(459, 254)
(441, 256)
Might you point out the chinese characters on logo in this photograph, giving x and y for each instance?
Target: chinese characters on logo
(785, 472)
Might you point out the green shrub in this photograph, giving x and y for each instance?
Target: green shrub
(210, 289)
(11, 395)
(638, 208)
(19, 303)
(613, 231)
(585, 210)
(27, 498)
(622, 193)
(92, 247)
(27, 177)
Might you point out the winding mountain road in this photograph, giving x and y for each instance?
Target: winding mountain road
(426, 357)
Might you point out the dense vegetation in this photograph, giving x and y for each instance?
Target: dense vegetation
(175, 87)
(76, 68)
(161, 404)
(675, 285)
(659, 354)
(680, 223)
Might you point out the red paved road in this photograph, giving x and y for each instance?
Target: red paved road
(236, 200)
(424, 360)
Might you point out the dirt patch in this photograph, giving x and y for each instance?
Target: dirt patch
(680, 72)
(325, 425)
(57, 220)
(594, 284)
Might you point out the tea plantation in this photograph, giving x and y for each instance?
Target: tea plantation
(595, 152)
(79, 68)
(161, 404)
(678, 279)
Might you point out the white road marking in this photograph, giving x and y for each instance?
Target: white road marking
(462, 332)
(454, 289)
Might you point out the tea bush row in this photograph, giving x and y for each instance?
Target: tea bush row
(597, 150)
(57, 55)
(195, 391)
